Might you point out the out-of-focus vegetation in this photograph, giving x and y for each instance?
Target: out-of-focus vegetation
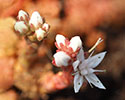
(23, 76)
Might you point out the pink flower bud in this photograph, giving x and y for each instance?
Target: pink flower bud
(40, 34)
(61, 59)
(46, 27)
(36, 20)
(22, 16)
(21, 27)
(60, 39)
(75, 43)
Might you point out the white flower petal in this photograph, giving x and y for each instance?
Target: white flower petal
(36, 20)
(99, 70)
(40, 34)
(61, 59)
(60, 39)
(21, 27)
(75, 43)
(86, 71)
(78, 81)
(92, 78)
(95, 60)
(22, 16)
(75, 65)
(80, 55)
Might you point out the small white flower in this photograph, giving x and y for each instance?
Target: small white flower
(40, 34)
(60, 39)
(21, 27)
(61, 59)
(36, 20)
(22, 16)
(75, 43)
(46, 27)
(83, 68)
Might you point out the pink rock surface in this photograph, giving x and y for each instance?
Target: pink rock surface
(9, 95)
(6, 73)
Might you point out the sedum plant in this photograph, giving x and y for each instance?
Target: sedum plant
(77, 65)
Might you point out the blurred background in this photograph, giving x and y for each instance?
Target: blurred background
(90, 19)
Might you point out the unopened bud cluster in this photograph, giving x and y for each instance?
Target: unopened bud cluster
(66, 50)
(33, 27)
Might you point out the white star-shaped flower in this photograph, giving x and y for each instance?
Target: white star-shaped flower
(84, 68)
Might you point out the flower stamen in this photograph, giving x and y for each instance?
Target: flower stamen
(97, 43)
